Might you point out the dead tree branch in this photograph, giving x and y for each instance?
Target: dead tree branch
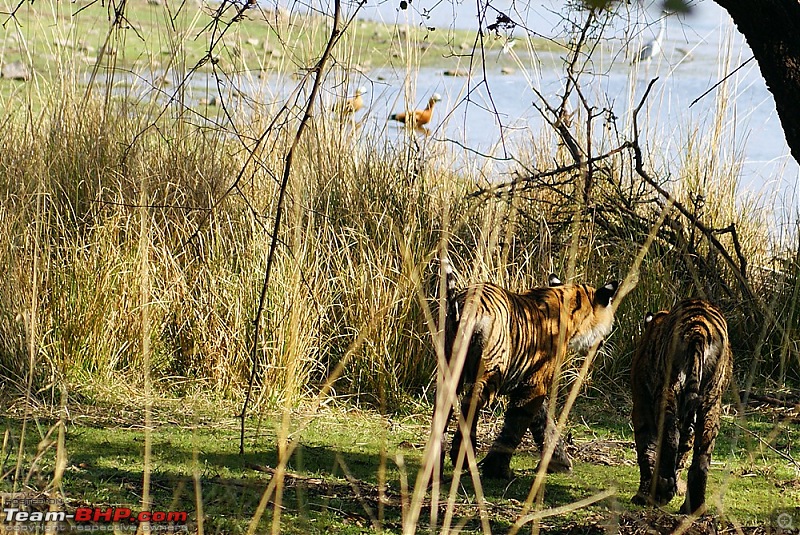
(319, 71)
(534, 176)
(739, 270)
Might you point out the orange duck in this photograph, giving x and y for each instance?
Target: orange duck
(351, 105)
(417, 118)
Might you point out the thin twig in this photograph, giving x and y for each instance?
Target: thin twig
(319, 71)
(767, 444)
(713, 87)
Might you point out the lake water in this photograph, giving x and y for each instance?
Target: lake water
(495, 113)
(708, 36)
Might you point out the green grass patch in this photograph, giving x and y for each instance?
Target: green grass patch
(349, 470)
(54, 38)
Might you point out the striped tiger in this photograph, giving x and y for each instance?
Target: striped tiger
(679, 372)
(514, 341)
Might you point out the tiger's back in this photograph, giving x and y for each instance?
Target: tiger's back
(520, 335)
(679, 372)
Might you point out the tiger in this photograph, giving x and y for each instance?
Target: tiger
(514, 342)
(680, 369)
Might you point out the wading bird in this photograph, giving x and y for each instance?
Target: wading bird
(653, 48)
(417, 118)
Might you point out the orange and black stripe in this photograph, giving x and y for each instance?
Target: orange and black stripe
(511, 344)
(679, 372)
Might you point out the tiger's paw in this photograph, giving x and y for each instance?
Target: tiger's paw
(496, 466)
(687, 509)
(646, 495)
(666, 490)
(558, 466)
(646, 500)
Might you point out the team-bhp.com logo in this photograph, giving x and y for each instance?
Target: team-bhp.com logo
(96, 515)
(123, 514)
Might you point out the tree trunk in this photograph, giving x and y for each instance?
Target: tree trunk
(772, 29)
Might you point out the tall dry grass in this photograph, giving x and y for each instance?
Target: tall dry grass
(135, 228)
(365, 220)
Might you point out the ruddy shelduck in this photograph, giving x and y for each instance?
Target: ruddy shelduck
(351, 105)
(417, 118)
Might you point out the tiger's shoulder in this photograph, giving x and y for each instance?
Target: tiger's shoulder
(683, 313)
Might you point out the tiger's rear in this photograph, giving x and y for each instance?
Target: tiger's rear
(681, 368)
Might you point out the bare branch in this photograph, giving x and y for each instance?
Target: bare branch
(708, 232)
(318, 70)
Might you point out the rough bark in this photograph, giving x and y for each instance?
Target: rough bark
(772, 29)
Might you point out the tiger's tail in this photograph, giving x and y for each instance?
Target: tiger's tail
(697, 349)
(697, 345)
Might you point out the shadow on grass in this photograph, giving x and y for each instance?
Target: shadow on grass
(331, 482)
(106, 468)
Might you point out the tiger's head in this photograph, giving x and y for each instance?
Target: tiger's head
(652, 320)
(592, 314)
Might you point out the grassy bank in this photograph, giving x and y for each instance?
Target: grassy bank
(93, 193)
(353, 470)
(167, 44)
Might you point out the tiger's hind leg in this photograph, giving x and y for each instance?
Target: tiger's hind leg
(471, 404)
(543, 430)
(497, 463)
(667, 486)
(707, 431)
(645, 432)
(646, 457)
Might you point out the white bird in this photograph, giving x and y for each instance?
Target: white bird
(653, 48)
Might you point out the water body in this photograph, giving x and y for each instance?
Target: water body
(698, 50)
(491, 113)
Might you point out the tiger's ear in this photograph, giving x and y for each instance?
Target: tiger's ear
(603, 296)
(648, 317)
(553, 280)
